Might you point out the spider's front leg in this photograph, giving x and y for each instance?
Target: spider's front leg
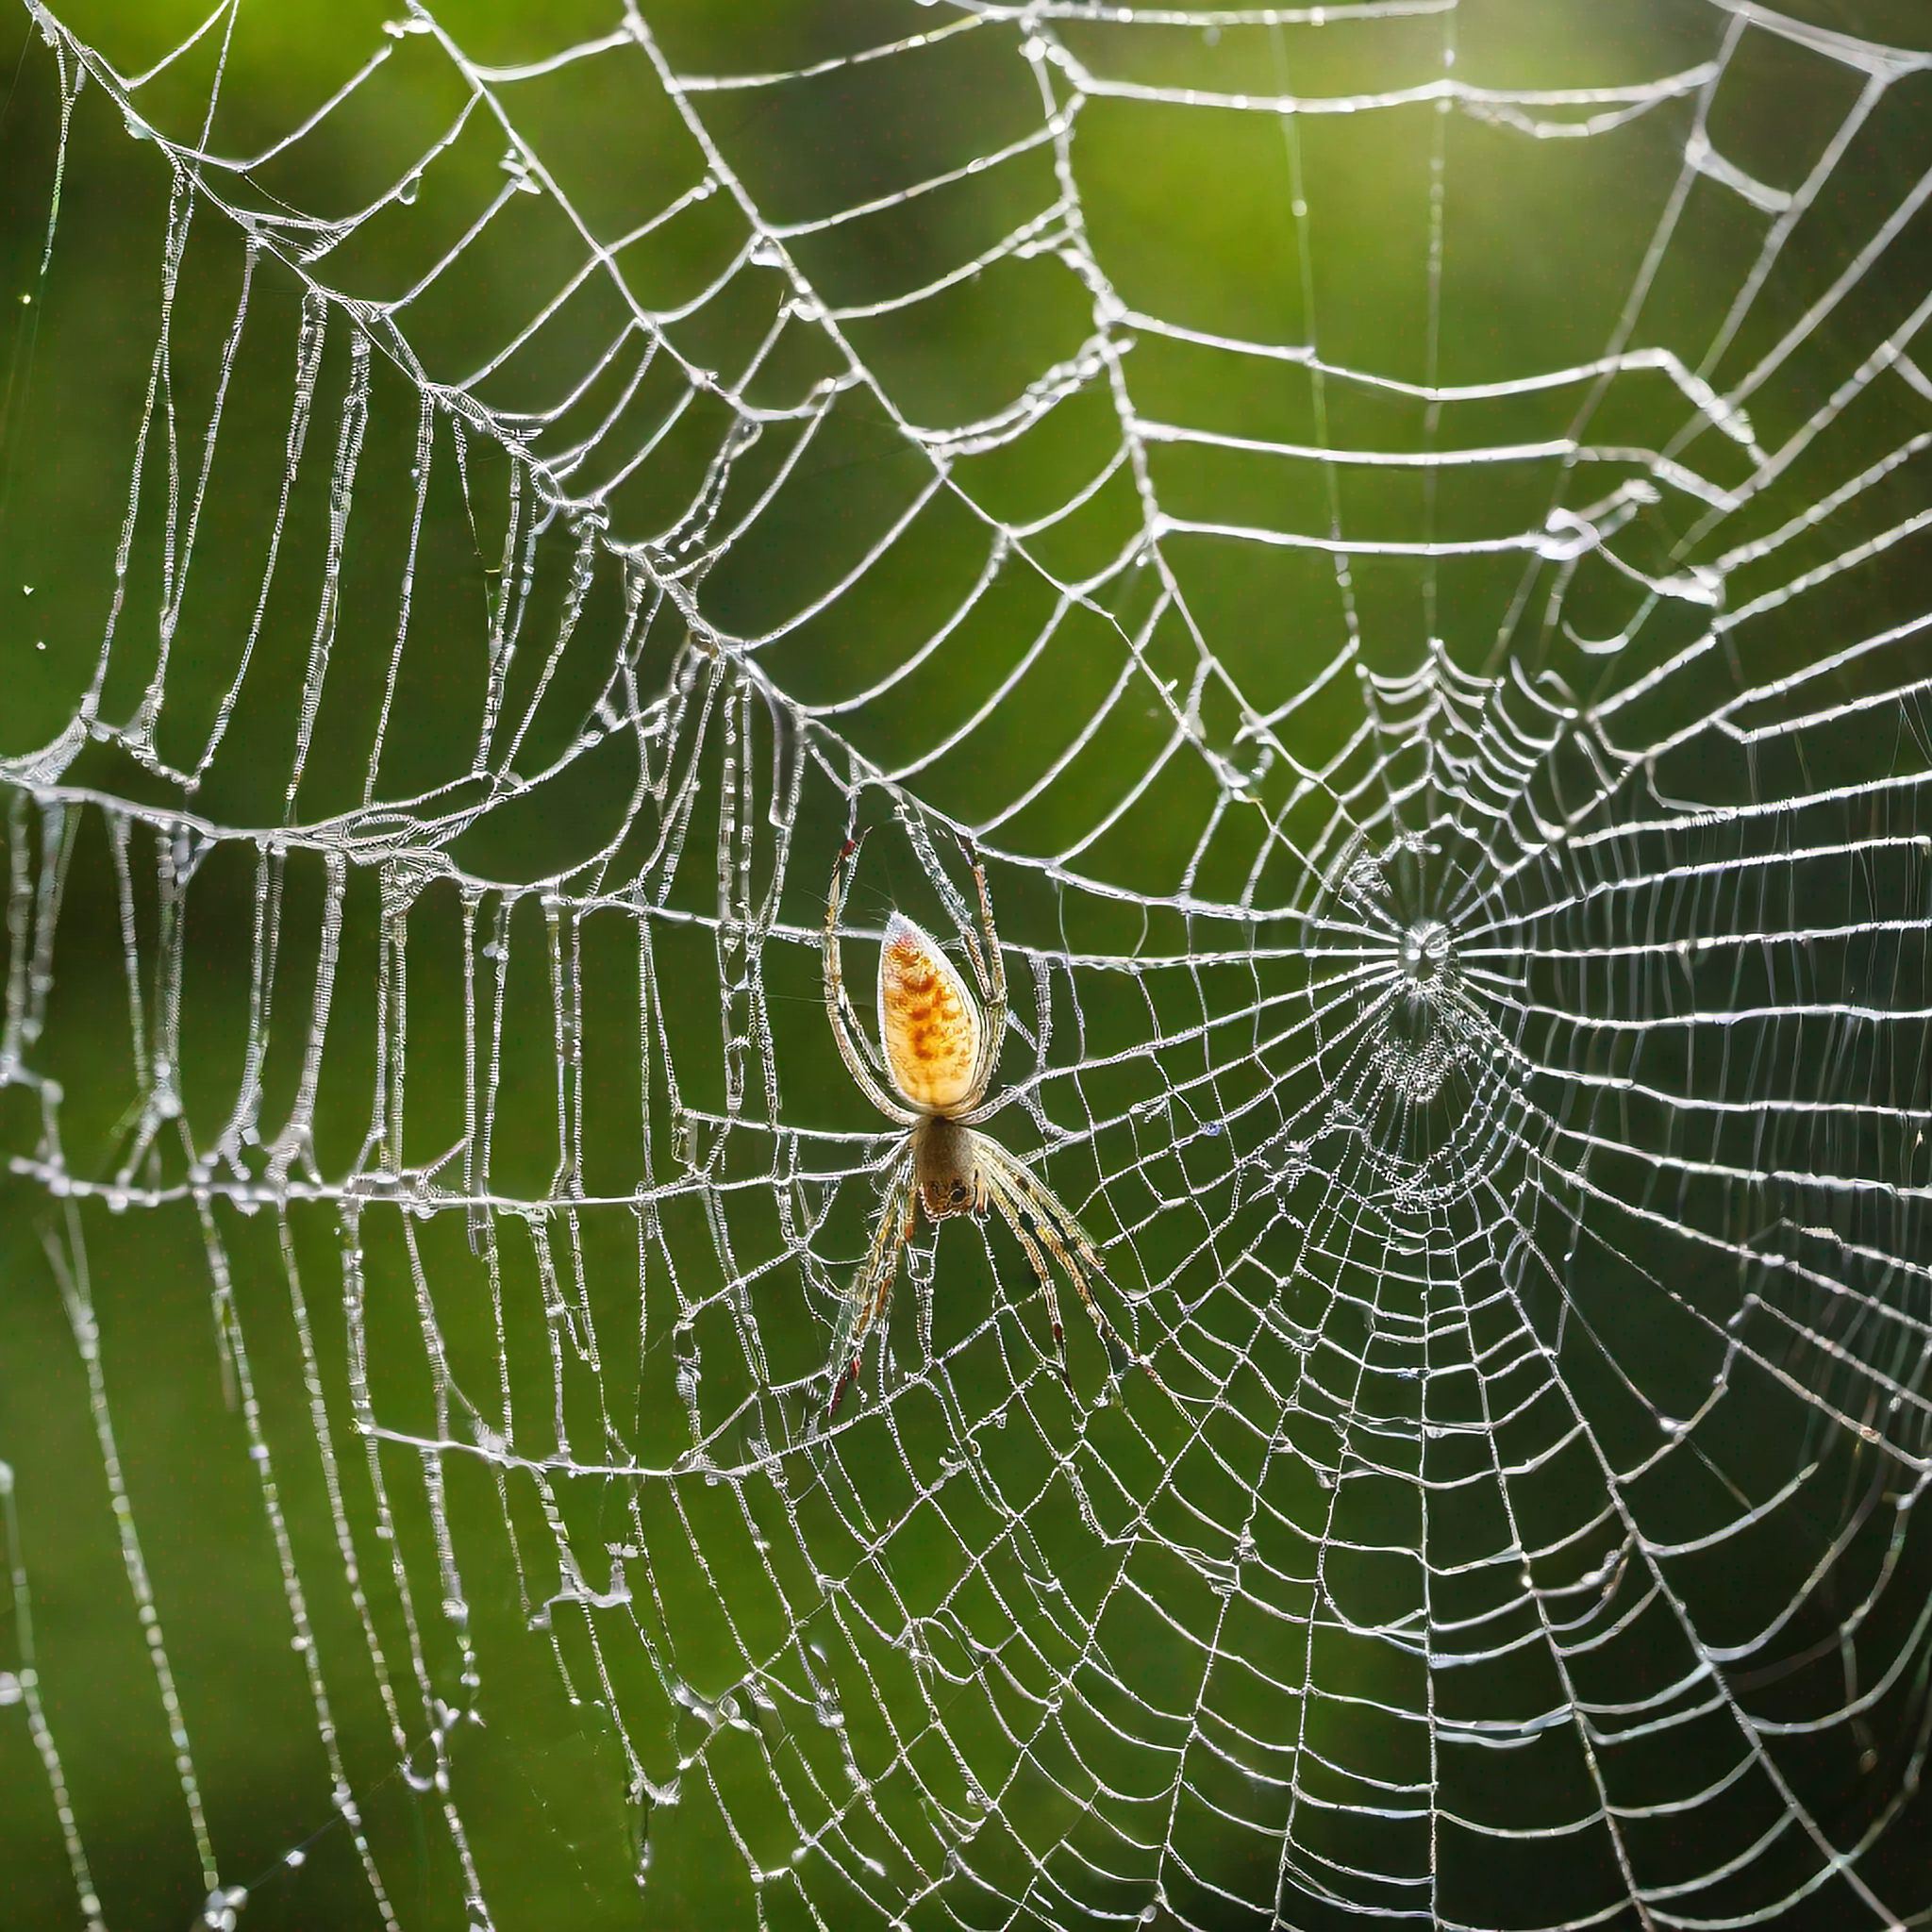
(1067, 1242)
(871, 1294)
(1013, 1215)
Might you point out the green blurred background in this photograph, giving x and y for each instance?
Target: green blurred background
(1191, 212)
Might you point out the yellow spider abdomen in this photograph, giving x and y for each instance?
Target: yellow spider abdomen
(928, 1022)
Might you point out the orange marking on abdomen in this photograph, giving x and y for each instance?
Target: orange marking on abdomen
(929, 1024)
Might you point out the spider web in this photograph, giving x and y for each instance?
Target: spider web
(1457, 814)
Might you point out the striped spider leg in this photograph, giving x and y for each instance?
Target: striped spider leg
(931, 1073)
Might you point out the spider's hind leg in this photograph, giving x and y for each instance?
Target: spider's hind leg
(990, 969)
(854, 1048)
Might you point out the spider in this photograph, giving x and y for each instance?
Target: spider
(940, 1053)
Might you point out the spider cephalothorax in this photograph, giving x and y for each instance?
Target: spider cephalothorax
(940, 1053)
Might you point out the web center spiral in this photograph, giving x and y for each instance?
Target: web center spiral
(1425, 951)
(1411, 1007)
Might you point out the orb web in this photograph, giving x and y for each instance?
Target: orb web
(1460, 836)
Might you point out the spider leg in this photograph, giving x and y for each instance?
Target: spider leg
(1012, 1213)
(846, 1029)
(990, 969)
(871, 1294)
(1066, 1241)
